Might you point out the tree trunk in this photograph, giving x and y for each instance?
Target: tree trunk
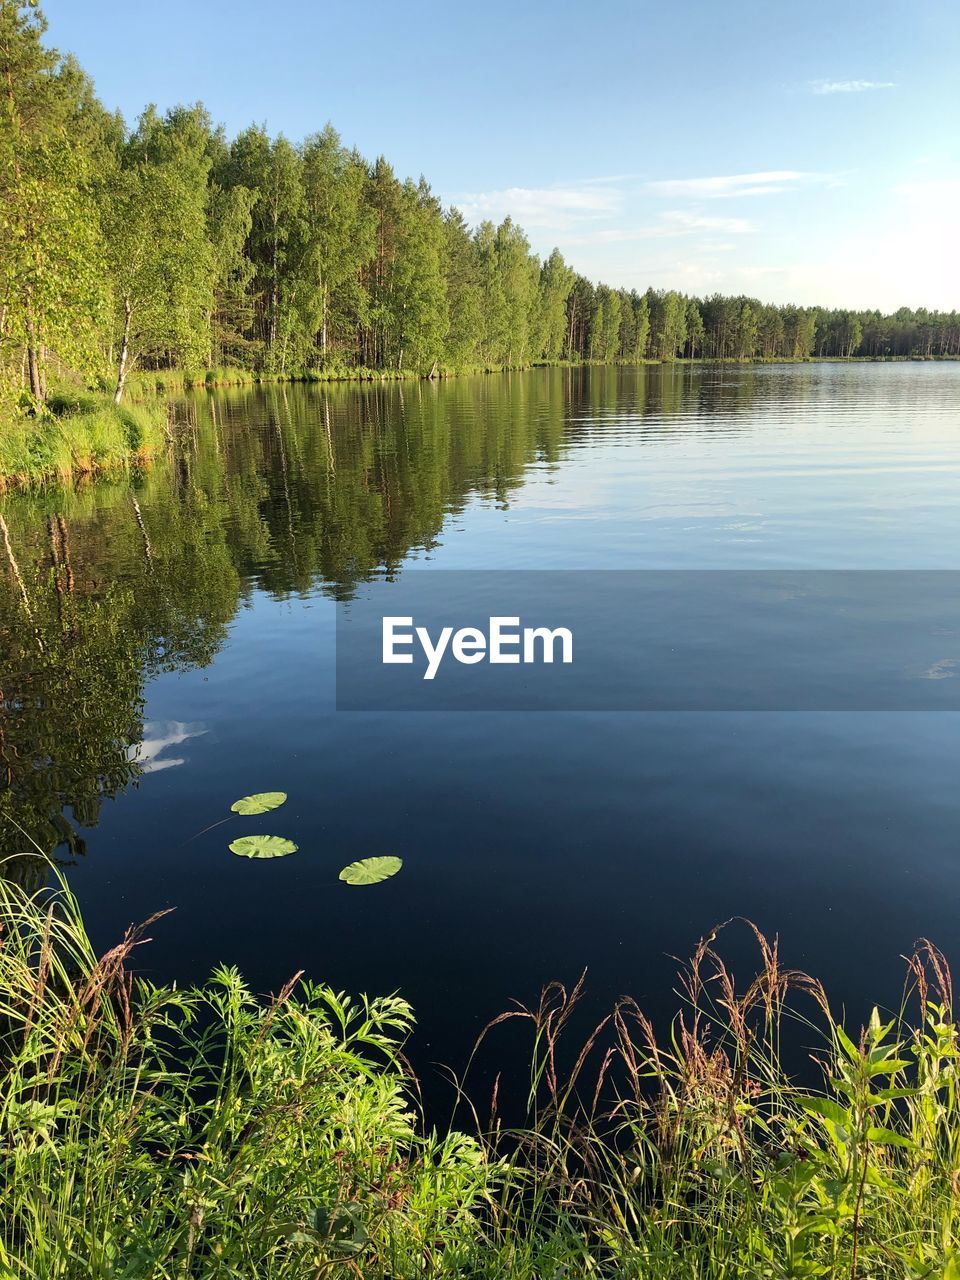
(5, 532)
(34, 365)
(323, 328)
(274, 285)
(124, 351)
(148, 551)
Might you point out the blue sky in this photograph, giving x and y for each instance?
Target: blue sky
(804, 152)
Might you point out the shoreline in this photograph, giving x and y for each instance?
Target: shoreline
(84, 434)
(166, 381)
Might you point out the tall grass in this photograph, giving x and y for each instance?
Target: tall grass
(147, 1131)
(713, 1161)
(146, 384)
(78, 434)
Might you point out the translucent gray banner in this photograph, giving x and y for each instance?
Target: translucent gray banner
(652, 640)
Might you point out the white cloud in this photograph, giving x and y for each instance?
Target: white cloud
(158, 737)
(700, 222)
(767, 183)
(551, 207)
(907, 259)
(679, 224)
(671, 224)
(615, 235)
(849, 86)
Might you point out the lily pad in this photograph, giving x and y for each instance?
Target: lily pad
(262, 802)
(262, 847)
(371, 870)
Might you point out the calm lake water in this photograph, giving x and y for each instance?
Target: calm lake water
(178, 653)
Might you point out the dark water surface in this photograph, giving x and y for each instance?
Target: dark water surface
(178, 653)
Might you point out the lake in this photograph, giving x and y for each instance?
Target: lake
(169, 647)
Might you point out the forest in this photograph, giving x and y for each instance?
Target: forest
(169, 246)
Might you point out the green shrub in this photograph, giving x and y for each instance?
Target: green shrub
(61, 403)
(148, 1131)
(229, 376)
(208, 1133)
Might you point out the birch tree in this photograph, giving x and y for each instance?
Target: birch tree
(162, 265)
(50, 296)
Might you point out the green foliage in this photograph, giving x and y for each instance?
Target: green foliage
(161, 260)
(262, 802)
(555, 285)
(79, 434)
(148, 1130)
(371, 870)
(138, 259)
(262, 846)
(50, 263)
(205, 1133)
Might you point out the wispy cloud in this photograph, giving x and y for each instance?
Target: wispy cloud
(849, 86)
(158, 737)
(670, 224)
(767, 183)
(702, 222)
(553, 207)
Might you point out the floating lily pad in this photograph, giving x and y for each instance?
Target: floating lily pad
(371, 870)
(262, 802)
(262, 847)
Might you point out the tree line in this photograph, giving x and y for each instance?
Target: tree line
(169, 245)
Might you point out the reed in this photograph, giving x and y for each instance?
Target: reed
(151, 1131)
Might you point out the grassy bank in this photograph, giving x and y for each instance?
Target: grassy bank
(149, 1131)
(171, 381)
(85, 433)
(78, 434)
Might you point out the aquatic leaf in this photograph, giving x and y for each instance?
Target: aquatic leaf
(262, 846)
(371, 870)
(262, 802)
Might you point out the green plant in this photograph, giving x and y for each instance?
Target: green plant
(371, 870)
(149, 1131)
(714, 1162)
(262, 846)
(80, 433)
(208, 1133)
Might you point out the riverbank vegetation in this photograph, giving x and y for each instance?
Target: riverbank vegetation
(207, 1132)
(79, 434)
(157, 252)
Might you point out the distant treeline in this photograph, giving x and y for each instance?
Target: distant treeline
(170, 246)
